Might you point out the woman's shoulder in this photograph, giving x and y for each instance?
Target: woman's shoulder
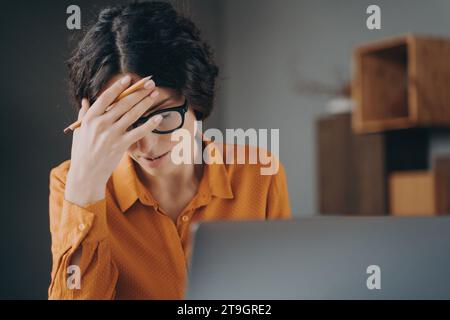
(250, 159)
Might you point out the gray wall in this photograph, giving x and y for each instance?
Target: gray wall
(269, 46)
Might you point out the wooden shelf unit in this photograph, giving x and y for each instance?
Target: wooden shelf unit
(353, 169)
(401, 83)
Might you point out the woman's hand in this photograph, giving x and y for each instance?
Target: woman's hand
(103, 137)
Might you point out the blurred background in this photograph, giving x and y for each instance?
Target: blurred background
(285, 64)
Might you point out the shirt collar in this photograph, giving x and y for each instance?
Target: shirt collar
(128, 188)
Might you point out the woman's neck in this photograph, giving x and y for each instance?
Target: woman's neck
(185, 176)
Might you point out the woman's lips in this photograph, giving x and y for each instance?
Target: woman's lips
(162, 155)
(155, 162)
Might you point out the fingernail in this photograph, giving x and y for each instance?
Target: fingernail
(154, 94)
(149, 84)
(157, 118)
(125, 79)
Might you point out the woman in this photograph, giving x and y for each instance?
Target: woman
(120, 209)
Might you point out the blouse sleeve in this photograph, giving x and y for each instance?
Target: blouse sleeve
(72, 228)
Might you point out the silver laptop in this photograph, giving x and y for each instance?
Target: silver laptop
(322, 258)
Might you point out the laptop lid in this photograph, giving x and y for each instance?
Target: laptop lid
(322, 258)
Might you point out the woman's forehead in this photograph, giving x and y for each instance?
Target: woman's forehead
(168, 95)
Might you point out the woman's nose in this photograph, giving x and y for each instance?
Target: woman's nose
(147, 143)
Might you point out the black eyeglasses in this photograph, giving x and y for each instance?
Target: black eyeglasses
(172, 119)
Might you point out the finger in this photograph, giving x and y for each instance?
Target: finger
(135, 87)
(125, 104)
(135, 135)
(84, 108)
(135, 113)
(81, 113)
(108, 96)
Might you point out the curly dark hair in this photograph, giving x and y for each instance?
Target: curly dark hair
(145, 38)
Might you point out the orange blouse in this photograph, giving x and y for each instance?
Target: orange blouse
(130, 248)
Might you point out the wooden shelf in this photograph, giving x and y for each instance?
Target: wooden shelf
(353, 169)
(401, 83)
(412, 193)
(424, 193)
